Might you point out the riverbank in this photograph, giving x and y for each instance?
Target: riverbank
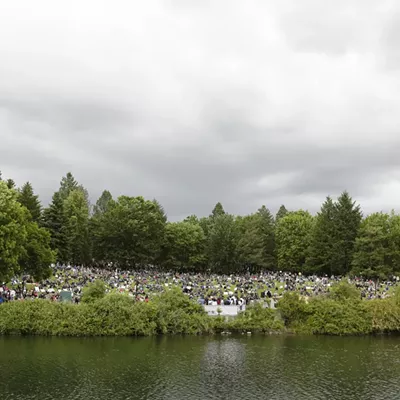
(171, 313)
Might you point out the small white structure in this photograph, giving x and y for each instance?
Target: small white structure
(231, 311)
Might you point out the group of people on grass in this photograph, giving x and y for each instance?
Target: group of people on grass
(207, 289)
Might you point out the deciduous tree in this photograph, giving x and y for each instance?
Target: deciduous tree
(13, 232)
(183, 247)
(293, 235)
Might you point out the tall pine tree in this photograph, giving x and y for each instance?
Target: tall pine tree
(76, 209)
(56, 221)
(28, 199)
(282, 212)
(347, 217)
(267, 232)
(217, 211)
(102, 203)
(321, 256)
(67, 185)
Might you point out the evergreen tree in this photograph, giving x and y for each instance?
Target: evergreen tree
(217, 211)
(56, 221)
(267, 232)
(347, 217)
(282, 212)
(31, 201)
(250, 248)
(76, 209)
(67, 185)
(102, 203)
(222, 244)
(10, 184)
(256, 247)
(160, 208)
(323, 238)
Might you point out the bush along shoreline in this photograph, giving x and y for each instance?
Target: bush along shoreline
(342, 312)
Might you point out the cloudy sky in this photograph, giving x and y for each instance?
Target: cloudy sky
(197, 101)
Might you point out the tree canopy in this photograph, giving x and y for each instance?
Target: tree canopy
(293, 236)
(134, 232)
(24, 246)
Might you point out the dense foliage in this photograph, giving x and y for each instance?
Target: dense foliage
(133, 232)
(342, 312)
(172, 312)
(24, 246)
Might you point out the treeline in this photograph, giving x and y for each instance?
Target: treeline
(132, 232)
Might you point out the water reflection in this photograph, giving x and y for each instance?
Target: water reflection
(177, 368)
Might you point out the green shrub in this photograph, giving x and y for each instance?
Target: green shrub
(174, 313)
(294, 309)
(177, 314)
(256, 318)
(332, 317)
(397, 296)
(344, 291)
(385, 315)
(94, 291)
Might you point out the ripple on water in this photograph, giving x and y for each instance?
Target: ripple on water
(177, 368)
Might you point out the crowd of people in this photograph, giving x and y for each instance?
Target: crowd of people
(207, 289)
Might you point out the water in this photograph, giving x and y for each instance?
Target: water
(255, 367)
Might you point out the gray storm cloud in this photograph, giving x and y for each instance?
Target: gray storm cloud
(194, 102)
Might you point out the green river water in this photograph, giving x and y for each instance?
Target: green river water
(255, 367)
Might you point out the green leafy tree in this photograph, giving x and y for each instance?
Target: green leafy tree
(395, 242)
(206, 224)
(28, 199)
(184, 246)
(293, 235)
(38, 256)
(161, 210)
(13, 232)
(131, 232)
(192, 219)
(373, 256)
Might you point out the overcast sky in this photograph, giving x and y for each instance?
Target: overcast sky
(198, 101)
